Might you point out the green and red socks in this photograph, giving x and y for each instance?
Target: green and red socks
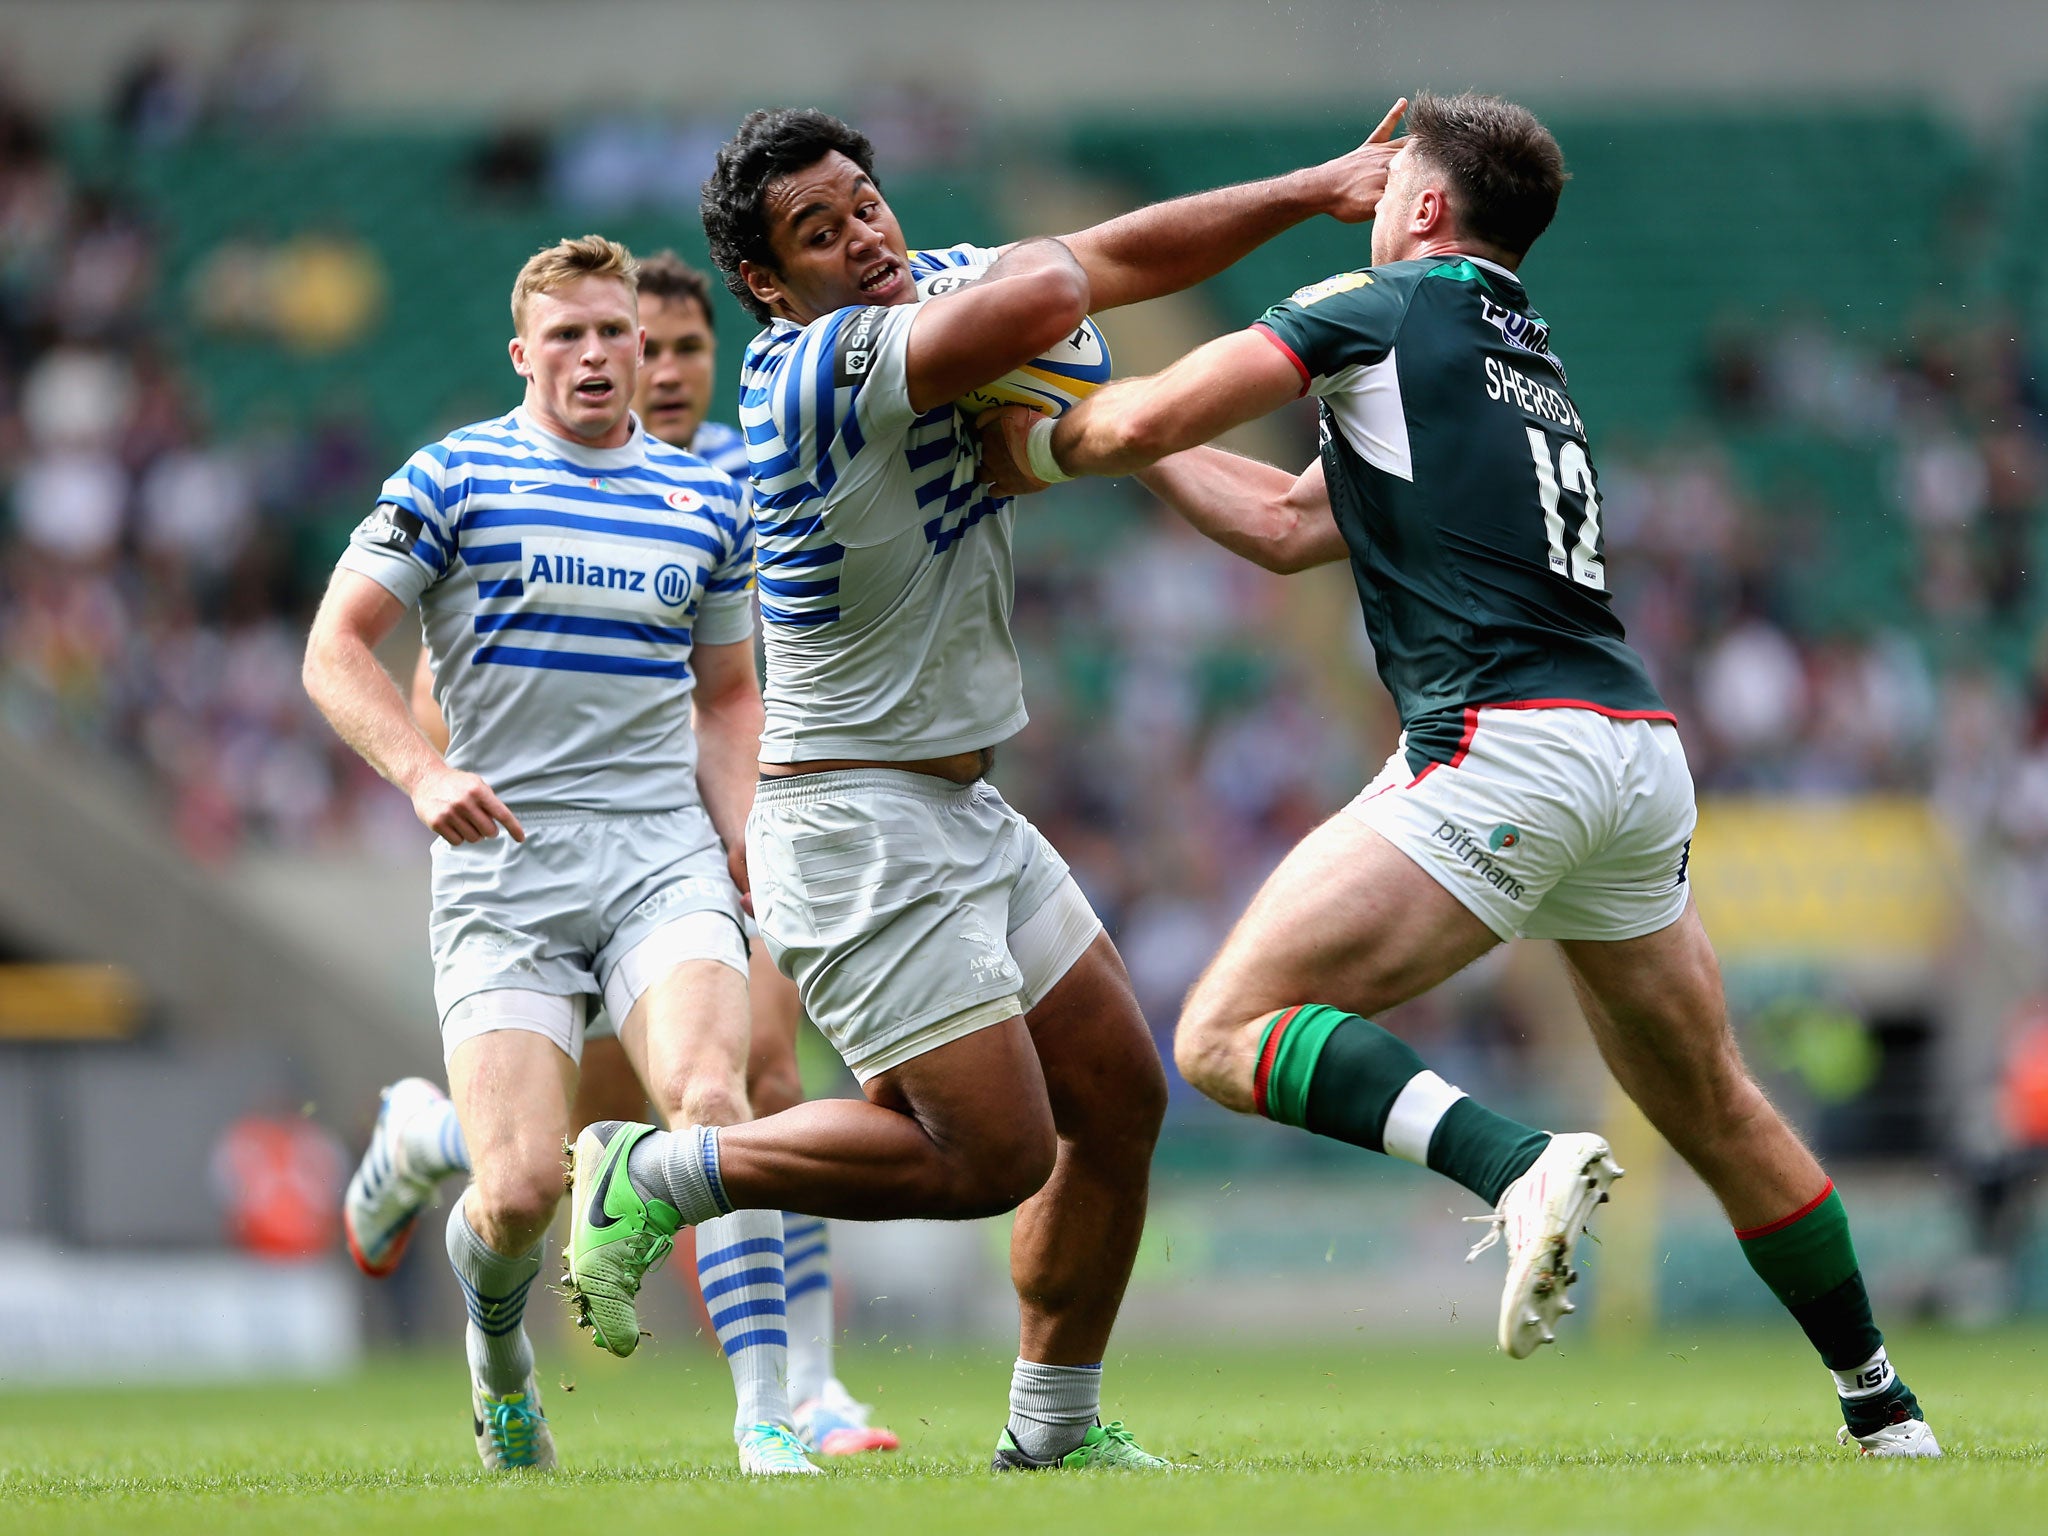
(1341, 1076)
(1344, 1077)
(1809, 1262)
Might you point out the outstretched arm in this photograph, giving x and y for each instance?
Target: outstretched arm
(1174, 245)
(1040, 290)
(1280, 521)
(1135, 422)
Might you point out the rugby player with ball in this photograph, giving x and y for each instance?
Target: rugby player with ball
(935, 936)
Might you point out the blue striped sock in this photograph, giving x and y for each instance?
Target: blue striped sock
(739, 1267)
(494, 1291)
(807, 1265)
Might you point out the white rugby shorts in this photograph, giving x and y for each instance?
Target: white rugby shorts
(590, 905)
(910, 911)
(1548, 823)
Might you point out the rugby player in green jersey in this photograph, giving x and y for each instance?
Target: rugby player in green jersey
(1539, 789)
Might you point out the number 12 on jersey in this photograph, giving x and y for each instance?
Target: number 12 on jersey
(1572, 474)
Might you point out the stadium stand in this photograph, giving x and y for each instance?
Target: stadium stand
(1819, 519)
(1674, 220)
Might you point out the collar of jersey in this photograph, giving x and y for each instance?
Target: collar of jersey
(1491, 266)
(628, 455)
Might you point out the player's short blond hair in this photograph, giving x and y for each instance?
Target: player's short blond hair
(560, 264)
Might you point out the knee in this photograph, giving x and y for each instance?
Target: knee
(706, 1098)
(1142, 1100)
(513, 1200)
(1205, 1044)
(1002, 1173)
(1124, 1109)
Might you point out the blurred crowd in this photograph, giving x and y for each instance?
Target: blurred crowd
(1816, 636)
(150, 603)
(1932, 676)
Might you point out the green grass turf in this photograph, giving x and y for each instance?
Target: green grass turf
(1697, 1433)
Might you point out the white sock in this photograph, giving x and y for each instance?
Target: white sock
(494, 1291)
(739, 1267)
(681, 1167)
(433, 1142)
(807, 1269)
(1051, 1406)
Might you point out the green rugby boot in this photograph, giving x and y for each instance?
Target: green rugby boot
(1105, 1446)
(615, 1236)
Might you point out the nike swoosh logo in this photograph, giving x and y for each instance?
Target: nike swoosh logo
(521, 490)
(598, 1216)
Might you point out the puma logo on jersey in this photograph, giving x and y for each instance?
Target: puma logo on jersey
(1525, 333)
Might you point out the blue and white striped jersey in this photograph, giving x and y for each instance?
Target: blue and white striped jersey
(885, 570)
(560, 589)
(722, 446)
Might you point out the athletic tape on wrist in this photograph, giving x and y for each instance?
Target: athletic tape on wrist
(1038, 452)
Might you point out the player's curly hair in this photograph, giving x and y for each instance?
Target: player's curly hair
(1505, 169)
(665, 275)
(769, 145)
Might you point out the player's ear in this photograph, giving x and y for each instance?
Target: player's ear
(763, 282)
(516, 348)
(1431, 212)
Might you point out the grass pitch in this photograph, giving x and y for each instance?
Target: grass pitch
(1698, 1433)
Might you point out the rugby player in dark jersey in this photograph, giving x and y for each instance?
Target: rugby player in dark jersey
(1539, 789)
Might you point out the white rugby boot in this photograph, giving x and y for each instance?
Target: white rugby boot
(1908, 1437)
(387, 1193)
(1542, 1215)
(511, 1431)
(773, 1450)
(833, 1424)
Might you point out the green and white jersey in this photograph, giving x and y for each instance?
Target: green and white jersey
(1459, 475)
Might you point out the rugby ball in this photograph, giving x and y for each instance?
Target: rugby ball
(1061, 377)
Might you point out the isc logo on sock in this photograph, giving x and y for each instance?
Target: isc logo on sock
(1871, 1377)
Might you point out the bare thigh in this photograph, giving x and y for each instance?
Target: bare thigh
(1102, 1071)
(1657, 1012)
(687, 1036)
(512, 1089)
(773, 1081)
(1655, 1007)
(1347, 920)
